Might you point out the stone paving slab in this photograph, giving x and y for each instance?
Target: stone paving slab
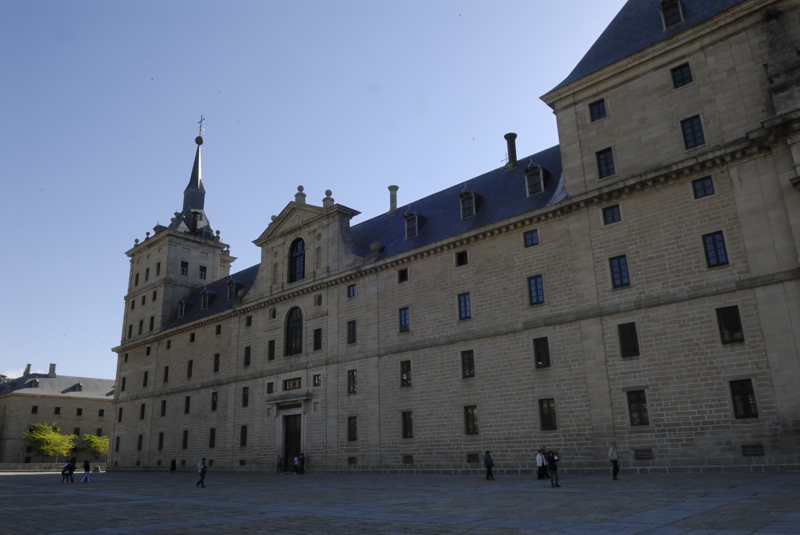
(163, 503)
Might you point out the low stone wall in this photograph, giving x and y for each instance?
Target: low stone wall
(46, 467)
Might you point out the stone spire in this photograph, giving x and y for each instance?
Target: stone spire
(194, 195)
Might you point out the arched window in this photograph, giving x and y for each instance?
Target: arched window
(294, 332)
(297, 260)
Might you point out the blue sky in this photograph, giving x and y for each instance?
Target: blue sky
(100, 102)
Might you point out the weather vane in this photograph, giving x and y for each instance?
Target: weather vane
(200, 122)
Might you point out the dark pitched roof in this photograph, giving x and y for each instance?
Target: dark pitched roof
(59, 385)
(637, 26)
(501, 194)
(218, 297)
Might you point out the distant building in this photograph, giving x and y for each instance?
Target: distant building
(637, 283)
(79, 405)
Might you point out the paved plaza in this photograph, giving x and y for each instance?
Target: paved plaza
(160, 503)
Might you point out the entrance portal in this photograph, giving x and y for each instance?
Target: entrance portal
(291, 440)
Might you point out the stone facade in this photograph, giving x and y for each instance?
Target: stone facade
(658, 307)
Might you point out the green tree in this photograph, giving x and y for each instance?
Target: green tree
(49, 441)
(97, 446)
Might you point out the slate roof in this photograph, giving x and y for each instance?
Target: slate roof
(60, 385)
(502, 194)
(637, 26)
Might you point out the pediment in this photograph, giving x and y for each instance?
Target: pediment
(293, 216)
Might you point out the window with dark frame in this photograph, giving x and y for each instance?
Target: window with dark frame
(637, 407)
(248, 321)
(692, 132)
(317, 339)
(187, 403)
(352, 381)
(101, 413)
(405, 321)
(155, 295)
(534, 180)
(79, 412)
(352, 337)
(531, 238)
(247, 352)
(166, 374)
(681, 75)
(467, 205)
(671, 12)
(293, 384)
(730, 325)
(231, 290)
(611, 214)
(212, 438)
(144, 379)
(136, 280)
(467, 364)
(317, 380)
(411, 225)
(185, 268)
(141, 411)
(271, 350)
(160, 441)
(218, 330)
(714, 246)
(462, 259)
(119, 415)
(158, 269)
(294, 332)
(605, 163)
(297, 260)
(407, 419)
(536, 290)
(351, 290)
(703, 187)
(144, 299)
(116, 444)
(130, 327)
(744, 399)
(598, 110)
(203, 300)
(628, 340)
(352, 428)
(139, 443)
(191, 338)
(405, 373)
(141, 326)
(402, 275)
(245, 396)
(34, 409)
(185, 441)
(270, 388)
(202, 273)
(547, 415)
(124, 380)
(619, 271)
(243, 437)
(169, 344)
(541, 352)
(216, 362)
(214, 397)
(189, 366)
(464, 307)
(133, 304)
(471, 420)
(163, 407)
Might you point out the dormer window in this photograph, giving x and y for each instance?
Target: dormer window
(181, 308)
(534, 179)
(297, 261)
(79, 387)
(35, 383)
(411, 225)
(671, 13)
(467, 204)
(203, 301)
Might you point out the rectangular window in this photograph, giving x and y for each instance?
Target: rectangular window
(271, 350)
(35, 409)
(462, 259)
(292, 384)
(133, 304)
(605, 163)
(611, 214)
(185, 441)
(191, 337)
(730, 325)
(467, 205)
(139, 443)
(163, 407)
(317, 339)
(212, 438)
(744, 399)
(467, 364)
(351, 290)
(411, 226)
(248, 321)
(141, 326)
(628, 340)
(184, 268)
(408, 424)
(166, 374)
(147, 274)
(598, 110)
(352, 381)
(124, 380)
(119, 415)
(637, 407)
(161, 441)
(218, 330)
(692, 132)
(464, 307)
(57, 410)
(130, 331)
(116, 444)
(136, 280)
(187, 403)
(155, 295)
(352, 428)
(402, 275)
(245, 396)
(99, 432)
(79, 412)
(619, 271)
(144, 379)
(541, 352)
(716, 255)
(158, 269)
(404, 320)
(247, 356)
(547, 415)
(213, 401)
(216, 362)
(270, 388)
(202, 273)
(405, 373)
(101, 413)
(671, 12)
(147, 351)
(703, 187)
(317, 380)
(536, 289)
(141, 411)
(471, 420)
(531, 238)
(169, 344)
(144, 299)
(189, 369)
(351, 332)
(534, 180)
(681, 75)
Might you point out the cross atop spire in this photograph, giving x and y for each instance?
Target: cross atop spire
(200, 124)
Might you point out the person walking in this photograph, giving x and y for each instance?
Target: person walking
(173, 465)
(302, 464)
(295, 464)
(488, 462)
(72, 468)
(279, 466)
(201, 469)
(65, 472)
(613, 456)
(541, 465)
(86, 471)
(552, 469)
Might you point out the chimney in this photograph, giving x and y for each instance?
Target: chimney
(392, 199)
(512, 148)
(52, 372)
(27, 370)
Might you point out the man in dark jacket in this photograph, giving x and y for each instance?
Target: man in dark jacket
(488, 462)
